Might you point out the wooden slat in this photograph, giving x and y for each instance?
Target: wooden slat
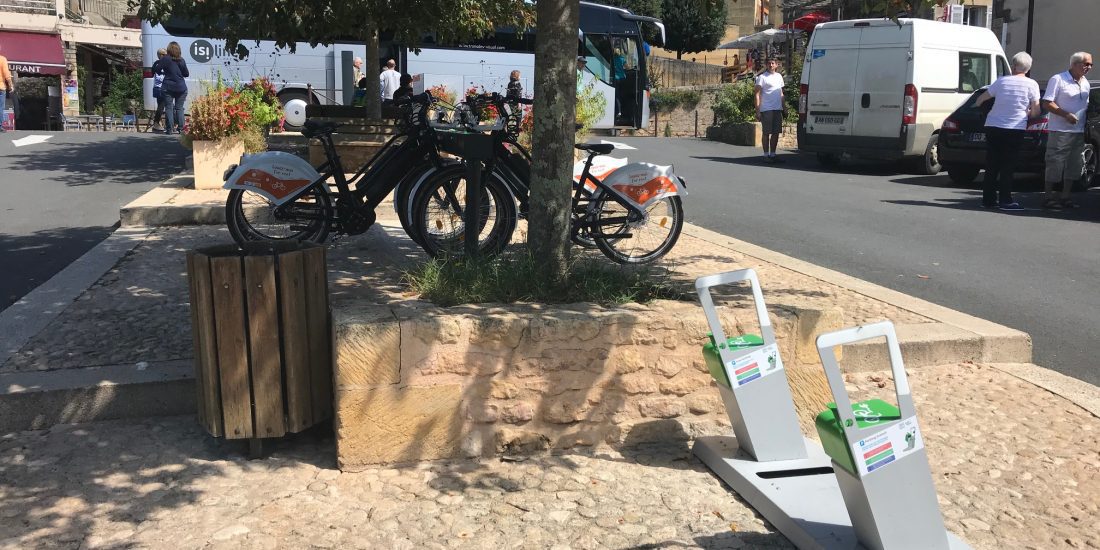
(263, 331)
(206, 353)
(292, 301)
(196, 341)
(320, 342)
(227, 281)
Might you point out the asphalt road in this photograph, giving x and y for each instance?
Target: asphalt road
(1035, 271)
(61, 197)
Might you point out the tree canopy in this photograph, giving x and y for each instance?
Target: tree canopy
(694, 25)
(327, 21)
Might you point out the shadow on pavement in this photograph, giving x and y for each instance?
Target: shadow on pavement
(125, 159)
(40, 256)
(1089, 202)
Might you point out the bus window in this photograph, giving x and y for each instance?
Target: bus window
(598, 57)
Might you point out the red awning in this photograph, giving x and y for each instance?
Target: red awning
(30, 52)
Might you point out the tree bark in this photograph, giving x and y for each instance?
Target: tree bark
(552, 138)
(371, 71)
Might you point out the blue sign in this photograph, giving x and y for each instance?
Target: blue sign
(818, 53)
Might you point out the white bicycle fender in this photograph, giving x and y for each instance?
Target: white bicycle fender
(274, 174)
(641, 183)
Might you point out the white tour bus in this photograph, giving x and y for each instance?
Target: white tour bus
(328, 69)
(610, 38)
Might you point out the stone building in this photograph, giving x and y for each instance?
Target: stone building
(49, 43)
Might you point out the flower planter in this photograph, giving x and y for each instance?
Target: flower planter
(212, 158)
(743, 133)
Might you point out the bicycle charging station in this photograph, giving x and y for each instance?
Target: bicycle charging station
(867, 486)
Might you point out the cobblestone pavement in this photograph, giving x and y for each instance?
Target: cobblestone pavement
(138, 311)
(1007, 478)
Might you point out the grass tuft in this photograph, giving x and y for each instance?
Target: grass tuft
(512, 277)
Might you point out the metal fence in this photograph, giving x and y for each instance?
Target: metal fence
(111, 10)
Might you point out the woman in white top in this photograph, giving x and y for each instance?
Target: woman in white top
(1016, 99)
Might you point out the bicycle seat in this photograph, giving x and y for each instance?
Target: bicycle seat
(314, 127)
(596, 148)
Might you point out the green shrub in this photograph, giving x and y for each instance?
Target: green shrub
(125, 95)
(734, 103)
(513, 277)
(666, 101)
(790, 88)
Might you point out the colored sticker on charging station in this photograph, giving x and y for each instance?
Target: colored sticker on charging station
(888, 446)
(754, 366)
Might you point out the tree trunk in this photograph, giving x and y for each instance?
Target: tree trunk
(371, 70)
(555, 115)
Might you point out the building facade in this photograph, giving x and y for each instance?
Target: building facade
(51, 43)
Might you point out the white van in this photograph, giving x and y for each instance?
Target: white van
(876, 88)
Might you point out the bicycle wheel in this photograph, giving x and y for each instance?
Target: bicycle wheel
(629, 241)
(440, 204)
(252, 217)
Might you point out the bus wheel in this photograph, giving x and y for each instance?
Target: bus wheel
(286, 97)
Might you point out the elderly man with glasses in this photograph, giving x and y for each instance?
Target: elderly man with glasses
(1066, 100)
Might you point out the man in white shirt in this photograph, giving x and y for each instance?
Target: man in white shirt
(390, 80)
(1066, 100)
(769, 107)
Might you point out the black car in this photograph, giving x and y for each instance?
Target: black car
(961, 144)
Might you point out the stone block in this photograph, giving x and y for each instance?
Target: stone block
(515, 441)
(367, 349)
(393, 425)
(809, 324)
(662, 407)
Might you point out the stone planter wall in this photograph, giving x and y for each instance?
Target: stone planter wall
(427, 383)
(745, 133)
(211, 158)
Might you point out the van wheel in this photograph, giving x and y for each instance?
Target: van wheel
(828, 160)
(963, 175)
(929, 164)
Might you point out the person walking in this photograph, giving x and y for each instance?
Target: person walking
(1066, 99)
(390, 80)
(158, 84)
(6, 86)
(769, 107)
(1016, 99)
(174, 88)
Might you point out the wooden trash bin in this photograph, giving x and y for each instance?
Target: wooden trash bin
(263, 352)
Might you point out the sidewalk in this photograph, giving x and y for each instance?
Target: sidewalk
(1007, 477)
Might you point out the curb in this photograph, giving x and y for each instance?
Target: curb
(42, 399)
(31, 314)
(975, 339)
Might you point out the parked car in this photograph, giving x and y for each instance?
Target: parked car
(876, 88)
(962, 145)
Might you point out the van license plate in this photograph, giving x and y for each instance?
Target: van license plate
(980, 138)
(829, 119)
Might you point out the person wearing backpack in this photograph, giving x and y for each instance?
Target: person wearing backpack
(158, 82)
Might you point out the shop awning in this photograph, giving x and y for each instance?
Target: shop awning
(31, 52)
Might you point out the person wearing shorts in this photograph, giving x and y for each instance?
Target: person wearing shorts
(1066, 100)
(769, 107)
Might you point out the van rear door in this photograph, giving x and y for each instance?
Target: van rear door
(882, 72)
(834, 55)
